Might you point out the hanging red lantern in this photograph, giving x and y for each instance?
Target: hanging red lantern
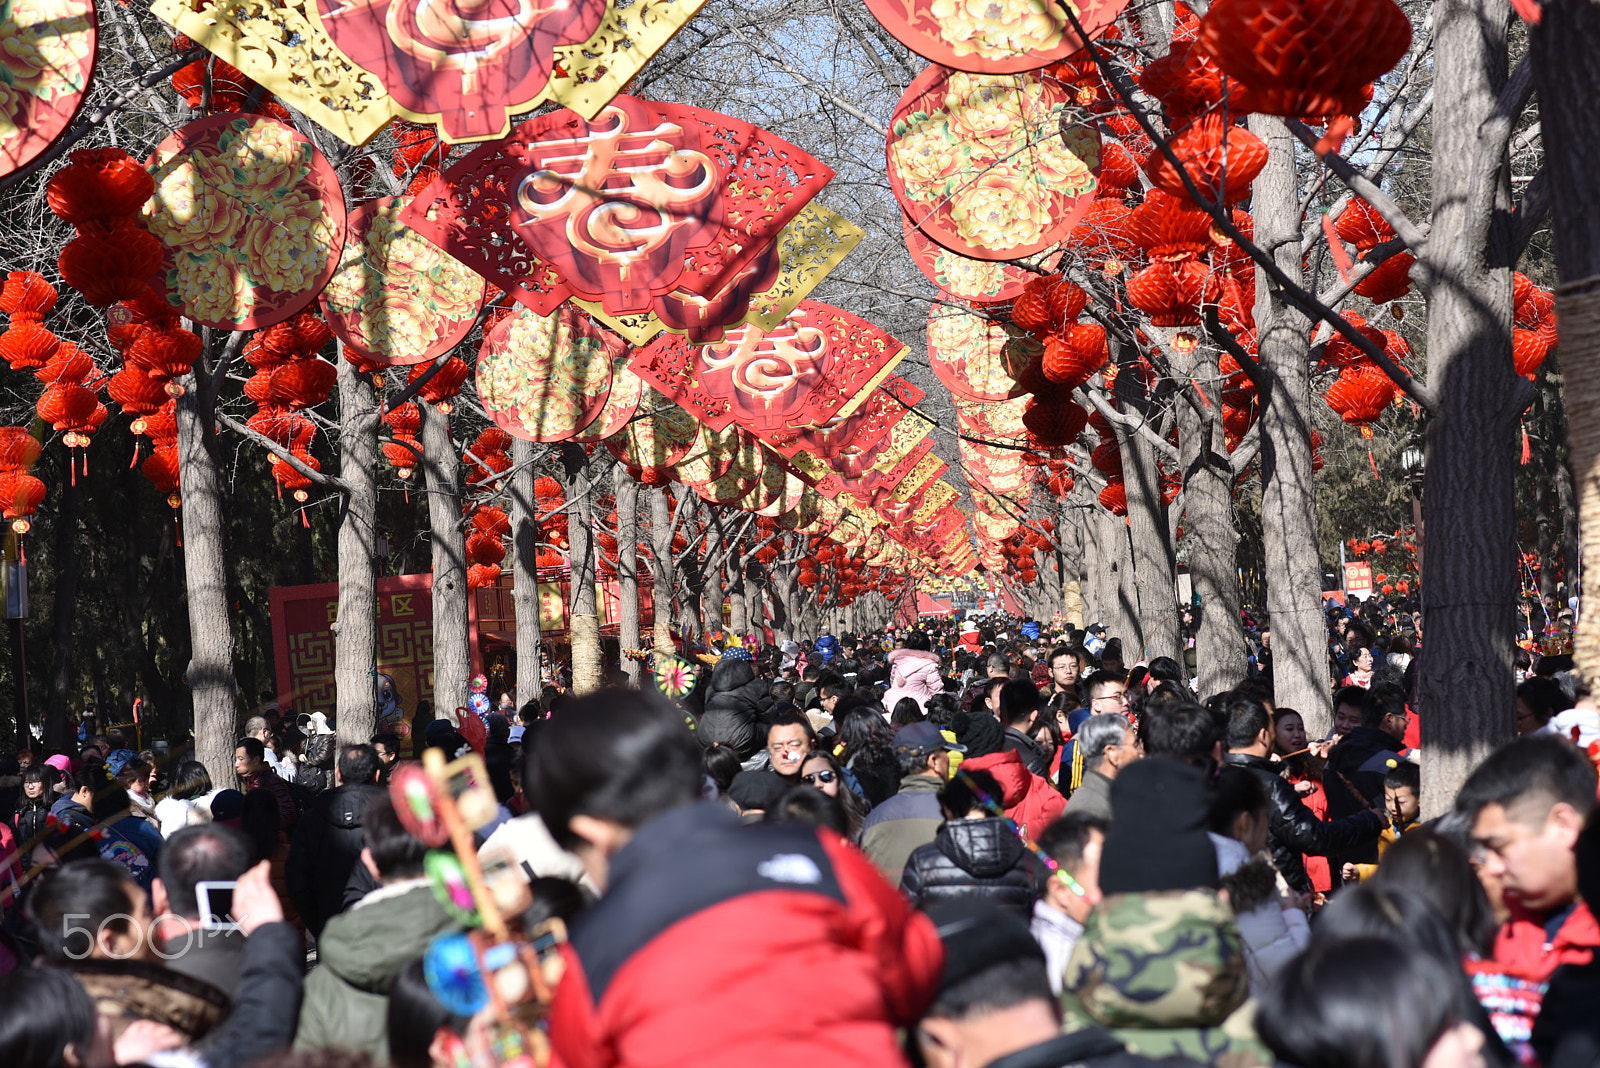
(1072, 357)
(491, 521)
(27, 345)
(99, 183)
(1221, 159)
(445, 383)
(481, 575)
(165, 354)
(1306, 57)
(485, 549)
(110, 260)
(1528, 352)
(303, 383)
(18, 448)
(1342, 353)
(403, 454)
(292, 480)
(1114, 498)
(69, 364)
(1054, 424)
(1170, 293)
(20, 494)
(1361, 225)
(1169, 227)
(66, 406)
(1390, 280)
(1359, 395)
(161, 468)
(1107, 458)
(229, 87)
(26, 295)
(1118, 168)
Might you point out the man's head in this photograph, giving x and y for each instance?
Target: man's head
(258, 728)
(1528, 803)
(387, 745)
(1350, 709)
(1184, 731)
(1249, 726)
(248, 756)
(1538, 700)
(829, 691)
(997, 666)
(1108, 743)
(1019, 704)
(90, 910)
(1402, 793)
(1386, 711)
(994, 994)
(1074, 842)
(359, 765)
(206, 853)
(1164, 669)
(1106, 691)
(389, 851)
(922, 749)
(116, 739)
(991, 694)
(789, 739)
(1064, 667)
(87, 782)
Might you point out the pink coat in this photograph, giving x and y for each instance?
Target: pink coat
(915, 674)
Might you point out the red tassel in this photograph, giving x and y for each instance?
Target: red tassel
(72, 465)
(1526, 452)
(303, 520)
(1532, 12)
(86, 463)
(135, 461)
(1333, 139)
(1375, 476)
(177, 528)
(1341, 255)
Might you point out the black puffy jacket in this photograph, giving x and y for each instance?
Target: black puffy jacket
(983, 857)
(325, 848)
(1295, 829)
(734, 699)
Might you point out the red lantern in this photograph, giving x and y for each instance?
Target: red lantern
(1342, 353)
(26, 295)
(1054, 424)
(1361, 225)
(405, 420)
(111, 260)
(27, 345)
(403, 454)
(99, 183)
(482, 575)
(67, 406)
(165, 354)
(1107, 458)
(303, 383)
(1528, 351)
(1360, 395)
(1072, 357)
(1170, 293)
(20, 494)
(69, 364)
(1169, 227)
(1118, 168)
(485, 549)
(445, 383)
(491, 521)
(1306, 57)
(161, 468)
(18, 448)
(1114, 498)
(1390, 280)
(1219, 158)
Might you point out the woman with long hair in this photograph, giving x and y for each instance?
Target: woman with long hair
(822, 770)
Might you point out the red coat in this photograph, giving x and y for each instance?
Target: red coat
(721, 946)
(1521, 946)
(1029, 799)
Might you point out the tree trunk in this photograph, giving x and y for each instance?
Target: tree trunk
(666, 573)
(1469, 581)
(205, 549)
(1563, 47)
(1151, 550)
(627, 494)
(1293, 566)
(1069, 535)
(524, 574)
(711, 594)
(452, 655)
(1121, 611)
(64, 612)
(1221, 655)
(588, 673)
(355, 633)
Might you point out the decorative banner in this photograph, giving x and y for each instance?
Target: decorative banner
(646, 199)
(284, 46)
(395, 297)
(545, 377)
(992, 36)
(806, 251)
(46, 64)
(252, 216)
(991, 166)
(658, 436)
(626, 388)
(469, 66)
(974, 281)
(819, 363)
(965, 352)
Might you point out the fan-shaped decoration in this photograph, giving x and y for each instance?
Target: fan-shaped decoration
(992, 36)
(544, 377)
(46, 62)
(964, 350)
(690, 198)
(621, 403)
(658, 437)
(395, 298)
(967, 279)
(983, 165)
(252, 217)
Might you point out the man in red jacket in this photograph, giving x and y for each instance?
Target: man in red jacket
(1528, 803)
(714, 944)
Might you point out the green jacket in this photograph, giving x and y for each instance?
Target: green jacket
(360, 952)
(1165, 973)
(905, 821)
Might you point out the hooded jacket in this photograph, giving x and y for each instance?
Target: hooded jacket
(734, 698)
(1029, 799)
(347, 994)
(1165, 973)
(913, 673)
(325, 848)
(909, 819)
(971, 857)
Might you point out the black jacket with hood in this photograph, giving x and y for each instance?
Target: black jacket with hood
(983, 857)
(326, 847)
(734, 701)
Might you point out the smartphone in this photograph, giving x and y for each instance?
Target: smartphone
(215, 900)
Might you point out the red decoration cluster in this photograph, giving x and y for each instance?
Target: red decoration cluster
(405, 451)
(161, 466)
(20, 492)
(101, 192)
(289, 376)
(230, 90)
(1534, 334)
(153, 342)
(27, 298)
(485, 546)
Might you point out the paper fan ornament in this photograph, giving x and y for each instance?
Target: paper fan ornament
(450, 967)
(416, 802)
(450, 886)
(674, 677)
(45, 69)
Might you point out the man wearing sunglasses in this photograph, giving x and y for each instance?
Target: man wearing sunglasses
(911, 817)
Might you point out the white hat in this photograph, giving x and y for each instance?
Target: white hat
(315, 723)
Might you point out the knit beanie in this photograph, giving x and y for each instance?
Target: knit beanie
(1158, 837)
(980, 732)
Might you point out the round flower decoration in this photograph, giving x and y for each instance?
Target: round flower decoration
(674, 677)
(966, 279)
(396, 297)
(47, 55)
(545, 377)
(992, 167)
(993, 36)
(252, 218)
(965, 352)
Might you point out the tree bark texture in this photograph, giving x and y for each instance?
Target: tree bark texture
(355, 642)
(627, 494)
(205, 548)
(588, 673)
(1469, 579)
(1563, 47)
(64, 611)
(666, 574)
(711, 593)
(1153, 584)
(1293, 566)
(452, 658)
(525, 573)
(1069, 535)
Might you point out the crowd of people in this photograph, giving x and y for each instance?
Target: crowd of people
(953, 844)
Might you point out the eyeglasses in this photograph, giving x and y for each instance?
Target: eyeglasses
(1120, 698)
(825, 775)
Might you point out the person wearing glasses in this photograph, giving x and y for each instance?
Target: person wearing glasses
(821, 770)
